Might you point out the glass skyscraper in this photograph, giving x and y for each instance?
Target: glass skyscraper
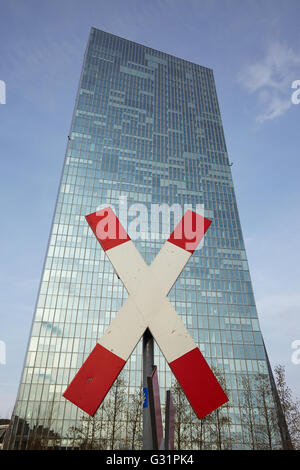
(146, 130)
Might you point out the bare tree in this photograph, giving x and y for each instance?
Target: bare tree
(248, 411)
(201, 432)
(114, 409)
(267, 435)
(104, 429)
(88, 434)
(213, 431)
(134, 419)
(219, 420)
(183, 418)
(290, 406)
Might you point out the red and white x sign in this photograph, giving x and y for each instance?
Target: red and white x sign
(147, 306)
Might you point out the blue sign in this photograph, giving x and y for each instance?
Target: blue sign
(146, 401)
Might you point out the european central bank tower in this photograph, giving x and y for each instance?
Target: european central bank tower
(146, 135)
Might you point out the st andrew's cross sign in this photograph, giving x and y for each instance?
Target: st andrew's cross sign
(147, 306)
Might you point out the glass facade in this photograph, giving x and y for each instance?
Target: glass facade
(147, 128)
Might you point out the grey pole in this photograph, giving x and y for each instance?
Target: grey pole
(148, 360)
(167, 421)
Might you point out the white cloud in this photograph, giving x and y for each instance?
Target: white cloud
(271, 78)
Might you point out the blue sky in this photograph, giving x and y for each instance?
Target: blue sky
(254, 50)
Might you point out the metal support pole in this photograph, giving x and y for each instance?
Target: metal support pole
(148, 360)
(167, 421)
